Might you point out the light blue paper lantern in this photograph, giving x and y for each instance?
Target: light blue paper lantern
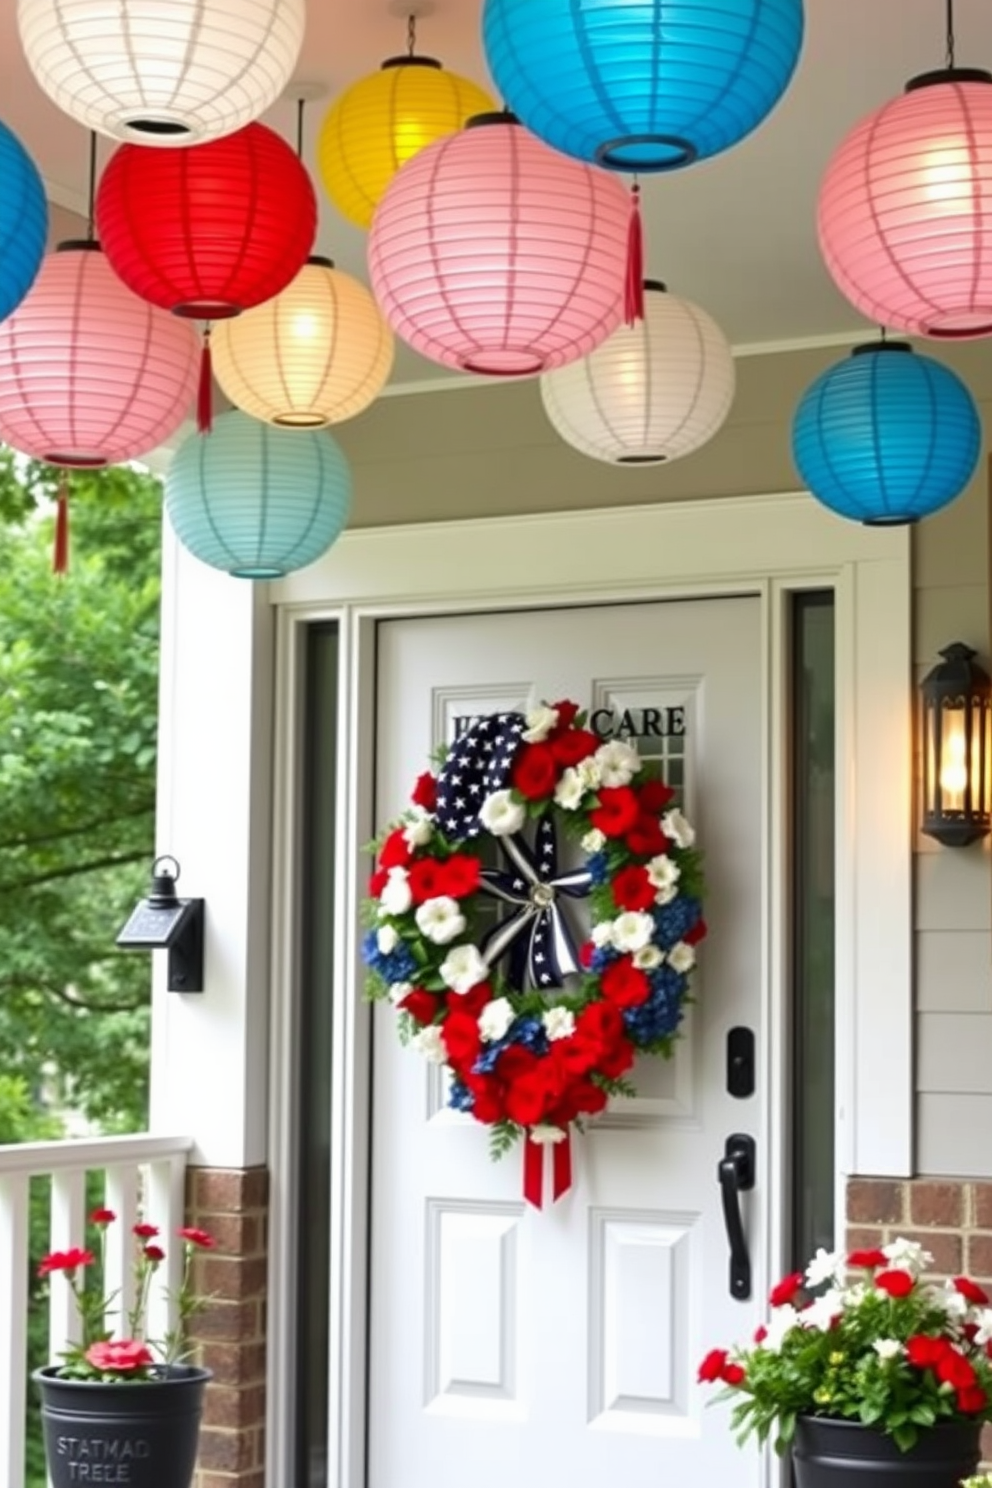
(642, 85)
(23, 221)
(886, 436)
(255, 500)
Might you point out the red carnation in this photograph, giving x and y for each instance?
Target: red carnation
(867, 1259)
(65, 1260)
(154, 1253)
(625, 984)
(971, 1400)
(529, 1098)
(472, 1001)
(460, 875)
(617, 810)
(200, 1238)
(514, 1063)
(460, 1033)
(617, 1061)
(535, 771)
(125, 1356)
(426, 879)
(897, 1283)
(733, 1374)
(425, 791)
(632, 889)
(971, 1290)
(786, 1290)
(712, 1367)
(646, 838)
(600, 1023)
(955, 1370)
(760, 1333)
(654, 796)
(395, 851)
(488, 1098)
(567, 713)
(573, 746)
(924, 1352)
(145, 1231)
(696, 934)
(378, 882)
(420, 1005)
(102, 1217)
(586, 952)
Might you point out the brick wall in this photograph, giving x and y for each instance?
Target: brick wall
(951, 1218)
(233, 1206)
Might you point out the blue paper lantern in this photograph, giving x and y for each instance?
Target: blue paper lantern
(642, 85)
(255, 500)
(886, 437)
(23, 221)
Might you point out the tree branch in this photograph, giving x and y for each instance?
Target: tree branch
(15, 843)
(65, 994)
(72, 870)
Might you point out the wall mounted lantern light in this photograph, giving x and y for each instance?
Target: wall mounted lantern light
(163, 921)
(957, 733)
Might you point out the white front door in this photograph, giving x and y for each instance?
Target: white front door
(516, 1348)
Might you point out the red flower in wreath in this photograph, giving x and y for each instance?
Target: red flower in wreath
(424, 792)
(460, 876)
(426, 879)
(395, 851)
(535, 771)
(625, 984)
(632, 889)
(617, 811)
(572, 747)
(420, 1005)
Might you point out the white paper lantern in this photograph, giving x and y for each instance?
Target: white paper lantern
(652, 392)
(162, 72)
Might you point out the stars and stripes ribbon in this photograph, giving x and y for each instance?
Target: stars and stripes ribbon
(479, 763)
(535, 935)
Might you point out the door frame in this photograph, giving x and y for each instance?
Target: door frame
(769, 546)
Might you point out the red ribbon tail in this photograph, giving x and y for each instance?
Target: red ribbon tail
(633, 289)
(563, 1167)
(204, 398)
(533, 1172)
(60, 555)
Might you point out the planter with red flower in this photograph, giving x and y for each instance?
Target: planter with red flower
(534, 917)
(866, 1372)
(123, 1410)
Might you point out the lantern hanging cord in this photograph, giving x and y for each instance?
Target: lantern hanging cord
(91, 199)
(411, 35)
(950, 35)
(300, 106)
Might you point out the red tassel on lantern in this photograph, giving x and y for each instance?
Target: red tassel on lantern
(633, 290)
(204, 395)
(60, 557)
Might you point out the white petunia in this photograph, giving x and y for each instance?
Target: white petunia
(418, 828)
(618, 762)
(887, 1348)
(822, 1310)
(663, 875)
(601, 935)
(632, 930)
(648, 958)
(540, 721)
(495, 1019)
(951, 1300)
(826, 1265)
(559, 1023)
(463, 968)
(543, 1134)
(569, 790)
(682, 957)
(430, 1043)
(387, 939)
(782, 1321)
(399, 990)
(589, 772)
(907, 1255)
(396, 898)
(593, 841)
(440, 919)
(984, 1321)
(501, 815)
(675, 826)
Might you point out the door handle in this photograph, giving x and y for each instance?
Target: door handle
(735, 1174)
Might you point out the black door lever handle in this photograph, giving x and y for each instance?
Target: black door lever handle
(735, 1174)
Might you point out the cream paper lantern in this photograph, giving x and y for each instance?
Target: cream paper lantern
(162, 72)
(652, 392)
(316, 354)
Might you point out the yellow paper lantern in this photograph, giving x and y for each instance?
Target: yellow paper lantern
(316, 354)
(382, 121)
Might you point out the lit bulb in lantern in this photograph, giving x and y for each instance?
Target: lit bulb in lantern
(954, 771)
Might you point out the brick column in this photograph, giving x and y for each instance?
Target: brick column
(949, 1217)
(232, 1205)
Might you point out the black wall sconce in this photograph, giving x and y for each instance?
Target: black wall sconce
(957, 736)
(164, 922)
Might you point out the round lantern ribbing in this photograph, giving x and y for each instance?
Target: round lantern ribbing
(211, 230)
(382, 121)
(89, 374)
(905, 209)
(492, 253)
(315, 354)
(23, 221)
(886, 436)
(255, 501)
(652, 392)
(176, 72)
(635, 85)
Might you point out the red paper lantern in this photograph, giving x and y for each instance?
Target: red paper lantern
(209, 230)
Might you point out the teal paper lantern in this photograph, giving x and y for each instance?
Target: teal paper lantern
(642, 85)
(255, 500)
(23, 221)
(886, 436)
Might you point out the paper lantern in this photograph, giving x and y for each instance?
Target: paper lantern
(651, 392)
(905, 210)
(89, 374)
(255, 501)
(636, 85)
(317, 353)
(23, 221)
(492, 253)
(886, 436)
(210, 230)
(172, 72)
(382, 121)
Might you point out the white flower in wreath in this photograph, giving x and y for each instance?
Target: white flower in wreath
(675, 826)
(601, 935)
(387, 939)
(417, 832)
(399, 990)
(569, 790)
(544, 1134)
(430, 1043)
(594, 841)
(559, 1023)
(648, 957)
(618, 762)
(463, 968)
(682, 957)
(589, 772)
(632, 930)
(495, 1019)
(396, 898)
(664, 875)
(440, 919)
(540, 721)
(501, 815)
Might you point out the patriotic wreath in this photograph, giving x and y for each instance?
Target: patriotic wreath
(483, 964)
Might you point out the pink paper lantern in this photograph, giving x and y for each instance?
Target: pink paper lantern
(905, 209)
(91, 375)
(492, 253)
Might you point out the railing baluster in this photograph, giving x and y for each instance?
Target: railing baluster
(14, 1215)
(166, 1208)
(121, 1195)
(67, 1228)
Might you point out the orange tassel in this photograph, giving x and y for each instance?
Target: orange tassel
(204, 398)
(60, 557)
(633, 290)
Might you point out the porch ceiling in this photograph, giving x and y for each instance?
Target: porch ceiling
(735, 233)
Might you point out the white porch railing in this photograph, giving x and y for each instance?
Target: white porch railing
(139, 1169)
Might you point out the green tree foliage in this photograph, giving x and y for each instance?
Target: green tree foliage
(78, 701)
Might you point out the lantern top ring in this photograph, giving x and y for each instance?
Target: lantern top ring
(206, 310)
(78, 245)
(410, 61)
(948, 75)
(491, 116)
(633, 152)
(870, 348)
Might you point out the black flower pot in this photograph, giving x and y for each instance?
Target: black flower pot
(845, 1454)
(138, 1435)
